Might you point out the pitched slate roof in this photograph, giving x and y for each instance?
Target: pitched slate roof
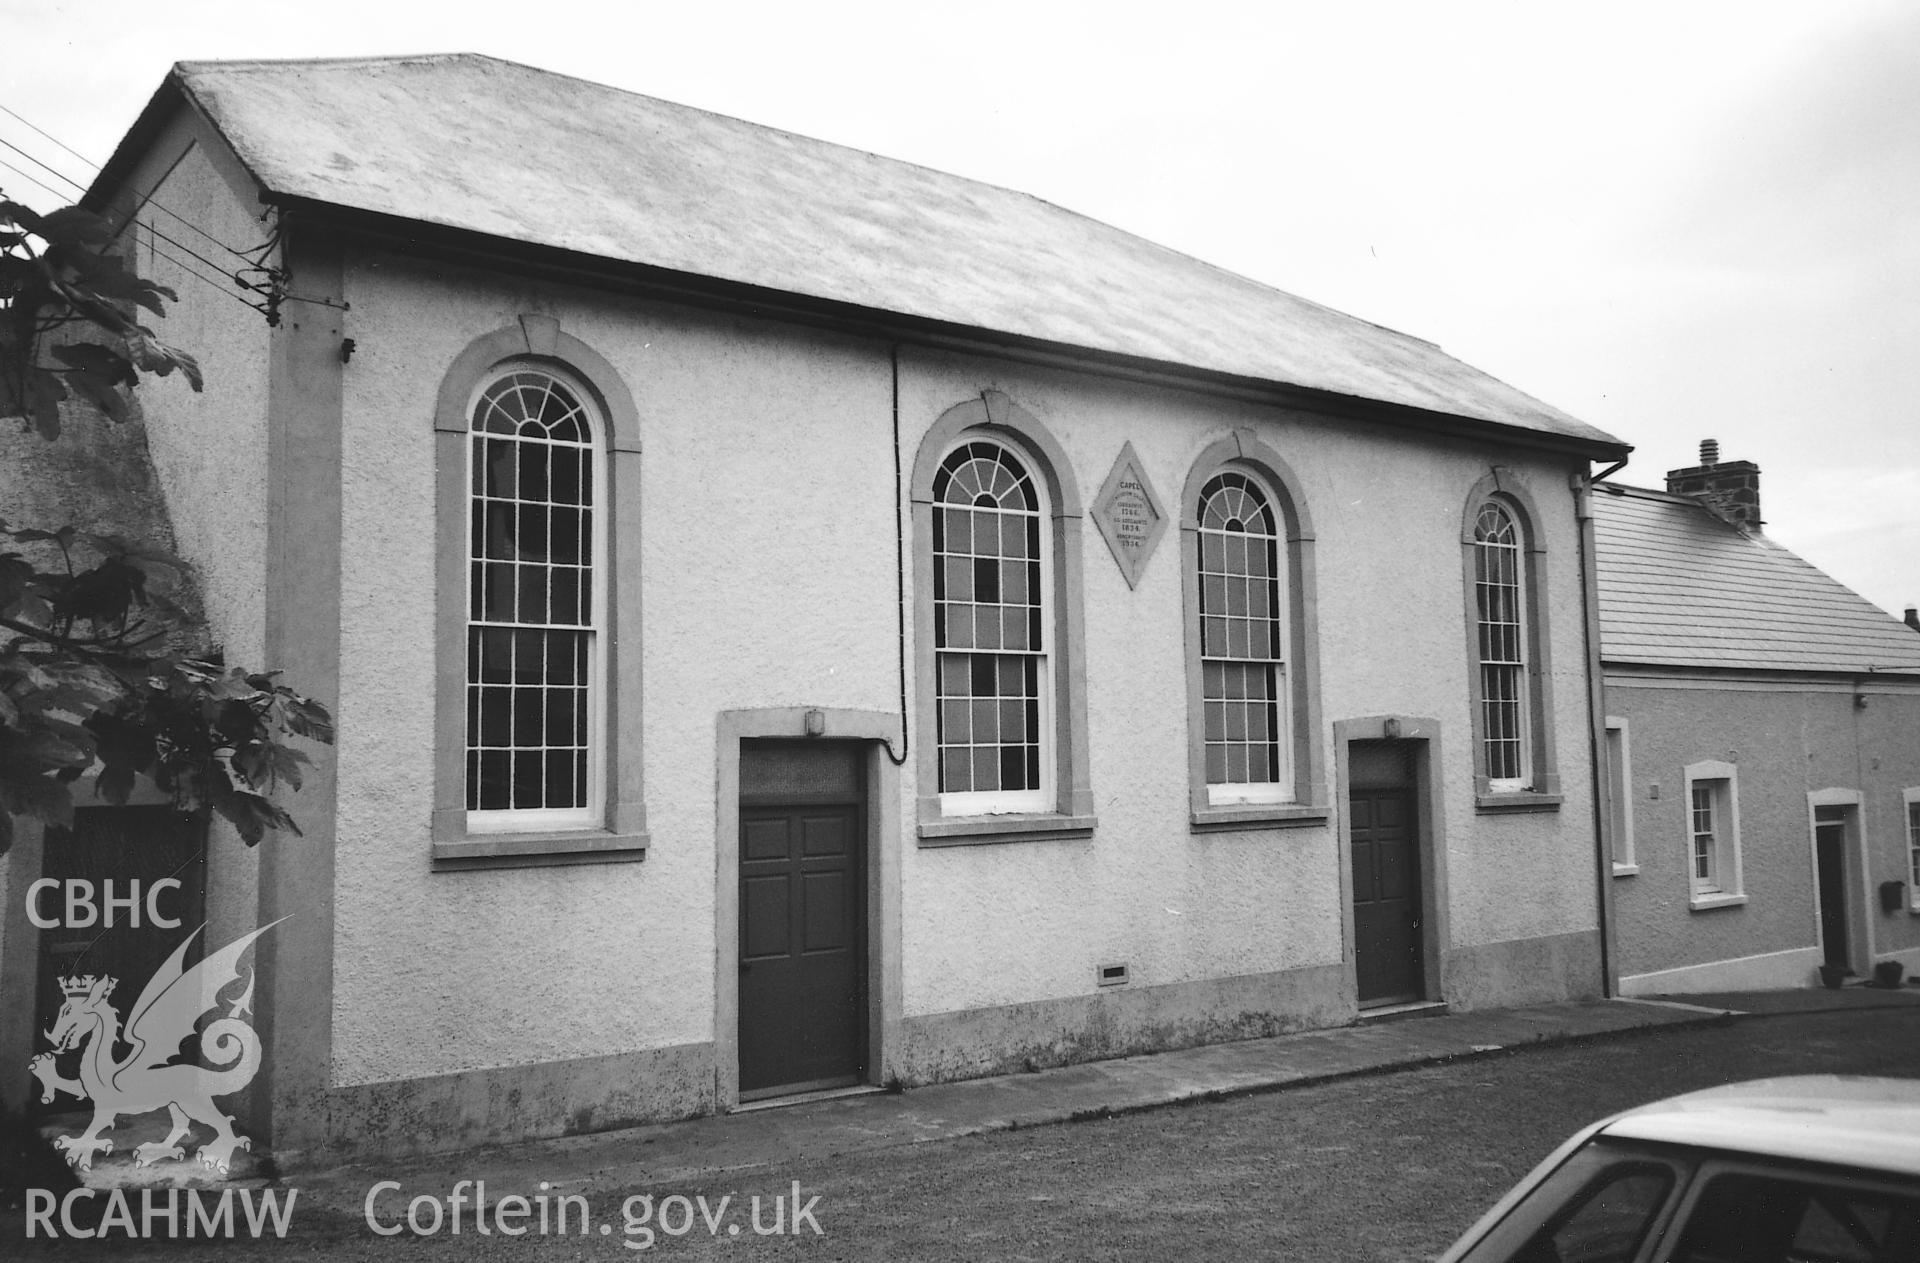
(1681, 587)
(489, 146)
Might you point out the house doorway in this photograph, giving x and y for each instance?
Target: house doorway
(1830, 871)
(1389, 911)
(803, 1019)
(132, 847)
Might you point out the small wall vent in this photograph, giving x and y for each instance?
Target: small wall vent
(1112, 975)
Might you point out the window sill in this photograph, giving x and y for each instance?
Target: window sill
(1707, 903)
(530, 850)
(1517, 800)
(985, 830)
(1626, 870)
(1250, 816)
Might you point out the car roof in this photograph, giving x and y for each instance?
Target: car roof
(1853, 1120)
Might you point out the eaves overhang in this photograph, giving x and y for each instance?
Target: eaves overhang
(1892, 677)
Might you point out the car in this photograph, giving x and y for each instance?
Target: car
(1809, 1169)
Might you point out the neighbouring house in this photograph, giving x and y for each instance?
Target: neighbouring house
(1763, 742)
(799, 620)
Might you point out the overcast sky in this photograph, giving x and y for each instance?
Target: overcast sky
(1674, 220)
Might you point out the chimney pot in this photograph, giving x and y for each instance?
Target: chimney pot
(1709, 451)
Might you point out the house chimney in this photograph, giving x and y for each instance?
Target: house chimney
(1913, 618)
(1730, 488)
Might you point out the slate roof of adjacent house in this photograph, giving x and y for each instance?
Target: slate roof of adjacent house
(492, 147)
(1681, 587)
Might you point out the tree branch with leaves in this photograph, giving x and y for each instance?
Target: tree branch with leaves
(99, 671)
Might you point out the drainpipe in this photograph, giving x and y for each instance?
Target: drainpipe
(899, 566)
(1582, 485)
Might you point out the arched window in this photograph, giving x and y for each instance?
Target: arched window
(1508, 648)
(992, 631)
(1255, 758)
(1000, 730)
(538, 722)
(535, 605)
(1500, 599)
(1243, 644)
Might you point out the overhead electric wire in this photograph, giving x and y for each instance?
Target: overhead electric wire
(177, 262)
(188, 250)
(44, 166)
(197, 275)
(254, 258)
(151, 228)
(243, 254)
(36, 179)
(55, 139)
(203, 277)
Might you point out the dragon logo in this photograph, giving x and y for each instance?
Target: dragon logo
(151, 1077)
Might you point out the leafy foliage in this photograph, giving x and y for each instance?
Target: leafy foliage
(72, 279)
(92, 676)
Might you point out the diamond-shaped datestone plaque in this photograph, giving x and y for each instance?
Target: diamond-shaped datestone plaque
(1129, 515)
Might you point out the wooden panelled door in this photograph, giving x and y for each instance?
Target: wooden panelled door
(1388, 910)
(803, 922)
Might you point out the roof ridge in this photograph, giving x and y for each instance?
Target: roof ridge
(375, 59)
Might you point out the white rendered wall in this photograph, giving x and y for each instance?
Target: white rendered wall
(768, 580)
(209, 449)
(1024, 921)
(768, 505)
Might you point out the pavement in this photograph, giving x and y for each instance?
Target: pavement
(791, 1135)
(1807, 1000)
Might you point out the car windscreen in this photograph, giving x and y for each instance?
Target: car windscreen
(1598, 1207)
